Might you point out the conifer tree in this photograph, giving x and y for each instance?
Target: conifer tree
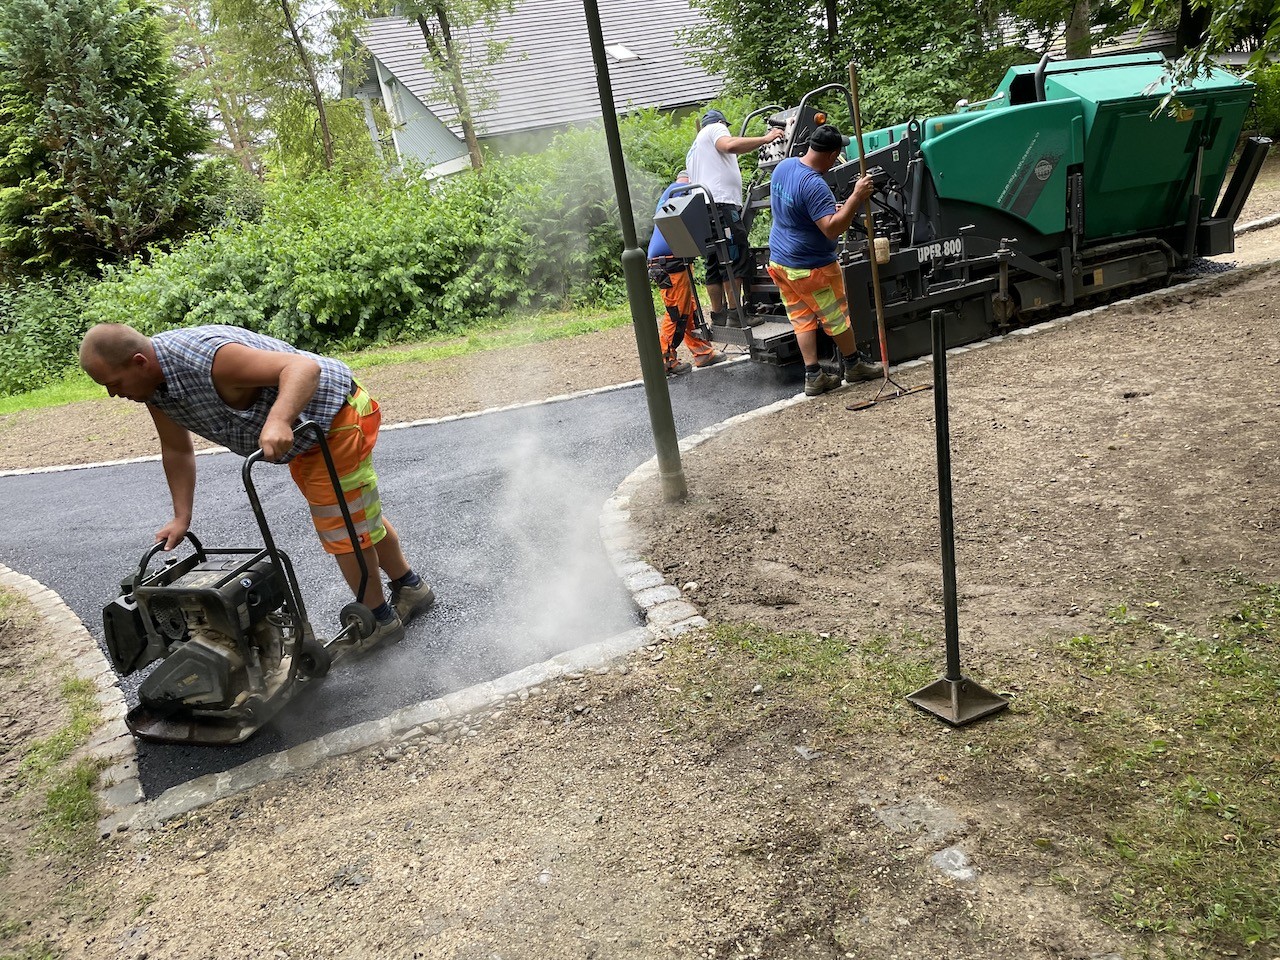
(96, 144)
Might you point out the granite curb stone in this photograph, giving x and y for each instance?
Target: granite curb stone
(111, 743)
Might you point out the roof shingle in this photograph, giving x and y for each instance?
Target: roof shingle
(546, 77)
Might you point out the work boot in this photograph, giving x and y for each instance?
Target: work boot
(862, 369)
(409, 602)
(720, 318)
(385, 634)
(819, 383)
(675, 366)
(708, 360)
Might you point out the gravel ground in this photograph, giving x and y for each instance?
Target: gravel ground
(626, 814)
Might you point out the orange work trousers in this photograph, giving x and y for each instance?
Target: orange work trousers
(677, 326)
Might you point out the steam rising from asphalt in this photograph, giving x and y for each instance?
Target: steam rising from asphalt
(562, 591)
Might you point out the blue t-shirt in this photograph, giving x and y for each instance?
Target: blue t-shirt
(658, 246)
(798, 198)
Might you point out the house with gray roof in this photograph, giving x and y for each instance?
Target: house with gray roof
(544, 82)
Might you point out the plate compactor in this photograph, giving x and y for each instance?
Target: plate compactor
(228, 633)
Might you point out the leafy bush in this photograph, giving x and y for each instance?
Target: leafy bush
(40, 329)
(223, 193)
(331, 261)
(1266, 101)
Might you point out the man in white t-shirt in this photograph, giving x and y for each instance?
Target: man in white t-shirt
(713, 162)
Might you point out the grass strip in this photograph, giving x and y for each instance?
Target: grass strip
(45, 754)
(1160, 787)
(513, 331)
(1173, 786)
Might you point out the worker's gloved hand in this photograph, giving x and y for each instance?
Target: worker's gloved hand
(275, 440)
(172, 533)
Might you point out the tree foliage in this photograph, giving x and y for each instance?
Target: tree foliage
(282, 50)
(1209, 28)
(912, 59)
(218, 74)
(96, 144)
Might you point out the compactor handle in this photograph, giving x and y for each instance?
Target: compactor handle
(159, 545)
(306, 426)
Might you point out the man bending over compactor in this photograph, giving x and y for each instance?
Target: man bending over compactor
(244, 391)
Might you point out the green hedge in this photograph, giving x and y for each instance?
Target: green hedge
(40, 329)
(326, 263)
(335, 263)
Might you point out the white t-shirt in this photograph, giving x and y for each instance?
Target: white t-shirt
(716, 171)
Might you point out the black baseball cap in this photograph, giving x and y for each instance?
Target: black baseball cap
(714, 116)
(827, 139)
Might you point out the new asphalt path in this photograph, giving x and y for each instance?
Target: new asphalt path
(498, 511)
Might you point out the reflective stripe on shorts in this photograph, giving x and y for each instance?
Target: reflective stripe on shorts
(812, 296)
(351, 437)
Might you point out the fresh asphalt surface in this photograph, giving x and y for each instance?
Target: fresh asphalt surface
(498, 511)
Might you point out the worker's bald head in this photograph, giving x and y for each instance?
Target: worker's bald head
(122, 360)
(112, 345)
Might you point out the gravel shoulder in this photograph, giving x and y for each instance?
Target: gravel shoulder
(692, 800)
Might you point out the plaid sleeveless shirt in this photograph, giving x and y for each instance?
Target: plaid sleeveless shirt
(189, 398)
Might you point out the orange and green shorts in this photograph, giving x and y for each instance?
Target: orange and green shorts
(351, 437)
(813, 295)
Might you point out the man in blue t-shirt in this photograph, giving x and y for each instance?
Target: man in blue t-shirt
(807, 222)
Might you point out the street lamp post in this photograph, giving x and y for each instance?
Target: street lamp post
(635, 271)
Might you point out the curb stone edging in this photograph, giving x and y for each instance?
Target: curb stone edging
(668, 614)
(442, 720)
(111, 743)
(1260, 224)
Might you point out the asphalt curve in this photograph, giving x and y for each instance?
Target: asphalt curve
(498, 511)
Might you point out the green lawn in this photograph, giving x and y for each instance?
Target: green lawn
(515, 330)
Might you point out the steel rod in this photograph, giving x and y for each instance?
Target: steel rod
(946, 520)
(870, 225)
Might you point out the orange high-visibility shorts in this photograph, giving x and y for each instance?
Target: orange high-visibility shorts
(351, 437)
(813, 295)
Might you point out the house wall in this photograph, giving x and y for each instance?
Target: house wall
(417, 134)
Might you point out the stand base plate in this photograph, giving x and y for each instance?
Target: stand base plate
(957, 701)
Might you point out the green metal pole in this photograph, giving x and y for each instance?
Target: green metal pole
(635, 270)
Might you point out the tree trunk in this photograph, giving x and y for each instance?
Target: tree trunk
(1193, 24)
(446, 58)
(229, 110)
(316, 96)
(1079, 37)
